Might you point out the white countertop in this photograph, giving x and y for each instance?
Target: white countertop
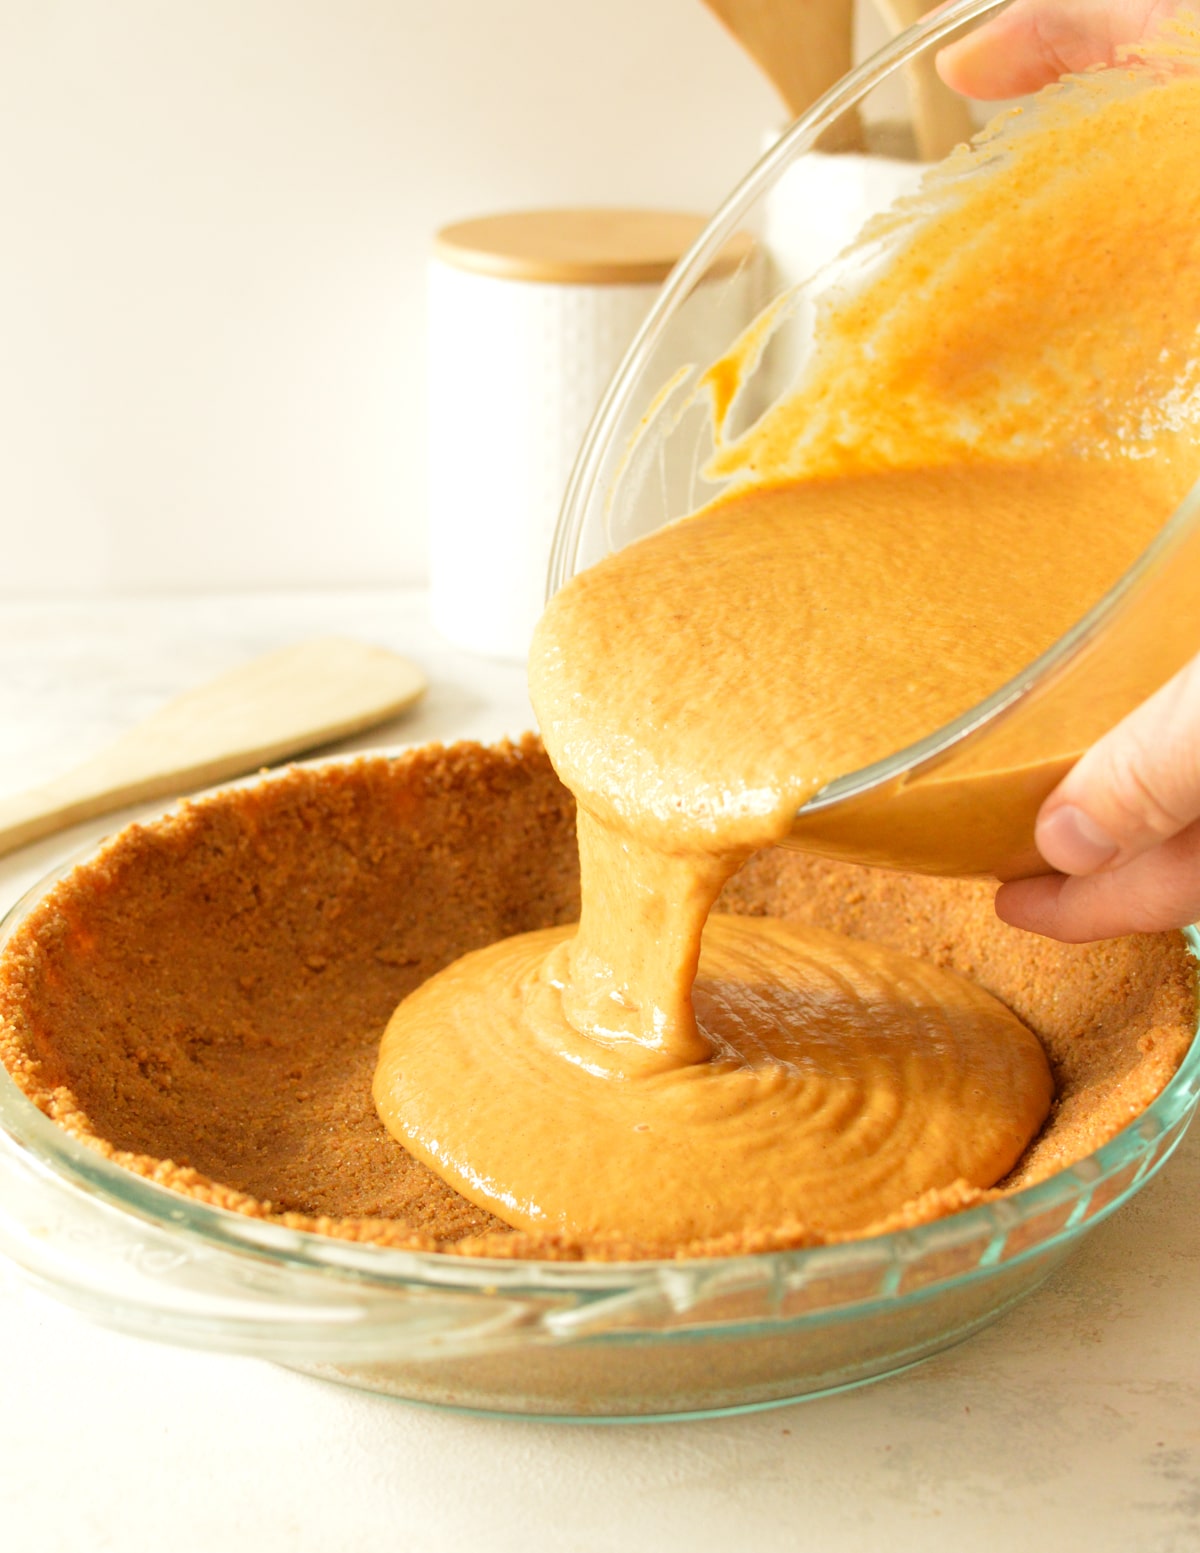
(1074, 1423)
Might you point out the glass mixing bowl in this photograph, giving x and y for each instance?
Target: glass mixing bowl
(564, 1340)
(984, 775)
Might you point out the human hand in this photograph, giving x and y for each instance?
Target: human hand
(1123, 829)
(1036, 41)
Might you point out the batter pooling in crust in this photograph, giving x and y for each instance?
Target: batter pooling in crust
(667, 1074)
(841, 1080)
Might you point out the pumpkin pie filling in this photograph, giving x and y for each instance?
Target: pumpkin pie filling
(978, 449)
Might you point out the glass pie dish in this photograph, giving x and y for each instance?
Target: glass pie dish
(582, 1340)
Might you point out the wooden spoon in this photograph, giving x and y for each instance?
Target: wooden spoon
(941, 118)
(802, 46)
(277, 705)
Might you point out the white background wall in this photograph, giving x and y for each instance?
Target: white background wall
(215, 216)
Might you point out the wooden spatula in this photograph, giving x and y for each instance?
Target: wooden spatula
(277, 705)
(802, 46)
(941, 118)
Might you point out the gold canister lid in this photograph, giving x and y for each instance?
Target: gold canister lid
(597, 246)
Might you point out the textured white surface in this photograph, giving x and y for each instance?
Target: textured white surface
(516, 370)
(1072, 1424)
(821, 203)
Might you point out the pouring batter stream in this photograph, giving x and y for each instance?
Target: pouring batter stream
(669, 1074)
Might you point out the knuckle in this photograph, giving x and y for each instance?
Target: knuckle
(1150, 793)
(1141, 797)
(1055, 39)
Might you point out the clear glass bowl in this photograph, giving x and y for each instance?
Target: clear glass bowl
(565, 1340)
(644, 460)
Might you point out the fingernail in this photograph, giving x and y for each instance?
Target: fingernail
(1072, 842)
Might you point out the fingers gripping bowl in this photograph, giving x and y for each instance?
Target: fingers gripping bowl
(189, 1021)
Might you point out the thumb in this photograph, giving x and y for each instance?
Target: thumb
(1034, 42)
(1135, 788)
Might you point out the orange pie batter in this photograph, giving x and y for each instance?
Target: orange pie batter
(996, 418)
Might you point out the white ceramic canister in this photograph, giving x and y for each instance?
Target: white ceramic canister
(822, 202)
(529, 315)
(813, 213)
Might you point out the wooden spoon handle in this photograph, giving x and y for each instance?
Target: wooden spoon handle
(277, 705)
(803, 47)
(941, 118)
